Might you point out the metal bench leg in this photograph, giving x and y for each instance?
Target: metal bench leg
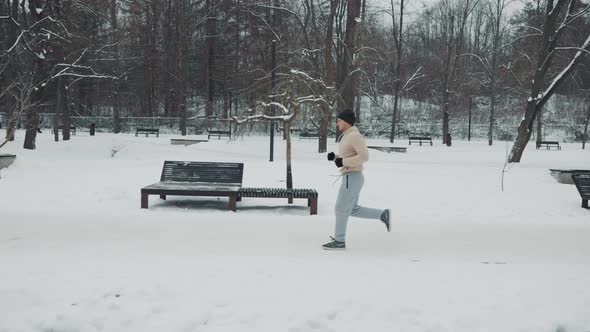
(232, 202)
(163, 197)
(585, 203)
(313, 209)
(144, 201)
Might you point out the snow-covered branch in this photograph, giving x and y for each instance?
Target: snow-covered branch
(563, 74)
(415, 76)
(526, 36)
(490, 74)
(259, 117)
(15, 42)
(279, 105)
(57, 22)
(260, 17)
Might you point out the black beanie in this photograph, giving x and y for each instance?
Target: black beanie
(347, 116)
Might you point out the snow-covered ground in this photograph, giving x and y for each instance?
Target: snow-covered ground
(78, 254)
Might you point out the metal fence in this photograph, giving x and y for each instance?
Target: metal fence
(196, 126)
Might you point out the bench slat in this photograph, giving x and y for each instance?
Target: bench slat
(419, 139)
(278, 193)
(548, 144)
(582, 182)
(218, 133)
(211, 172)
(147, 131)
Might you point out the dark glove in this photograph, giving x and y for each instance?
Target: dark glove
(331, 156)
(338, 162)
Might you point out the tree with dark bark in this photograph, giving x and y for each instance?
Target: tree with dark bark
(559, 15)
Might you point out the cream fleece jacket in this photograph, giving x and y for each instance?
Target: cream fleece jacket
(353, 151)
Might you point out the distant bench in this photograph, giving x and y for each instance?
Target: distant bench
(582, 182)
(61, 128)
(291, 129)
(419, 139)
(219, 133)
(549, 144)
(218, 179)
(184, 141)
(147, 131)
(388, 149)
(308, 135)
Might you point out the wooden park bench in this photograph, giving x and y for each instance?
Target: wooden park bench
(419, 139)
(388, 149)
(582, 182)
(147, 131)
(308, 135)
(218, 133)
(310, 194)
(185, 141)
(549, 144)
(194, 178)
(61, 128)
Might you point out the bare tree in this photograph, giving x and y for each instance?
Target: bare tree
(558, 17)
(21, 90)
(443, 35)
(397, 33)
(114, 21)
(345, 67)
(295, 90)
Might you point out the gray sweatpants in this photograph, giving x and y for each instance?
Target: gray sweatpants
(347, 204)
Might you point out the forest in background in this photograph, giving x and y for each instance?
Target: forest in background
(211, 61)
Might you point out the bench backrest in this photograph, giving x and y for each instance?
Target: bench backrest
(203, 172)
(582, 182)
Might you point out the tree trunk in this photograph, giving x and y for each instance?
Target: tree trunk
(524, 132)
(469, 126)
(210, 69)
(66, 120)
(287, 126)
(540, 126)
(492, 115)
(169, 59)
(58, 107)
(32, 119)
(11, 73)
(330, 76)
(116, 102)
(323, 130)
(585, 136)
(398, 38)
(346, 68)
(446, 81)
(180, 75)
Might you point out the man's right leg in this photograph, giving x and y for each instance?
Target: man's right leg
(346, 201)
